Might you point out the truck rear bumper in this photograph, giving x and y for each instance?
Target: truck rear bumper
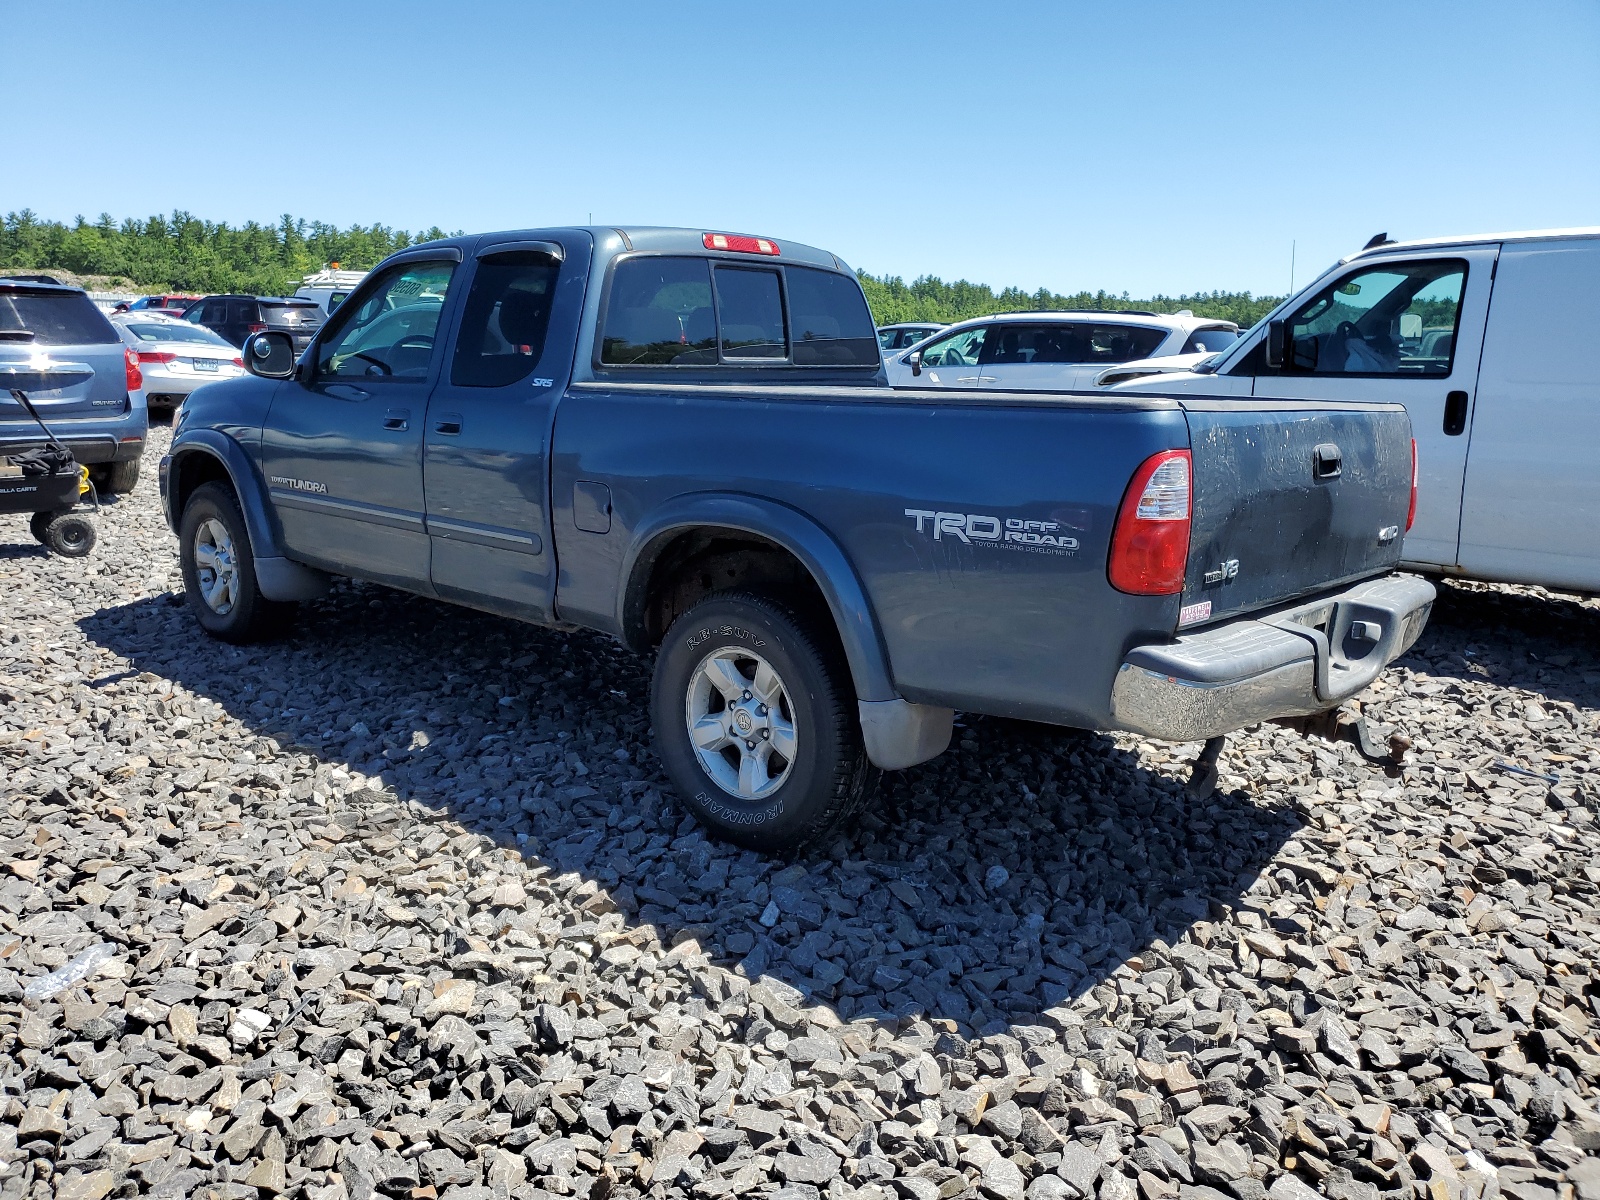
(1290, 662)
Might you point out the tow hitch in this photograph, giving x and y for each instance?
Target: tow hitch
(1343, 724)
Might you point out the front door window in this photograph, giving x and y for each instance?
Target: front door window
(958, 350)
(1396, 319)
(390, 334)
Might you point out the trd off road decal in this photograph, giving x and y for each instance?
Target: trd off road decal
(1006, 533)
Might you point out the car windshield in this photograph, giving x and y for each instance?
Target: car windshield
(150, 332)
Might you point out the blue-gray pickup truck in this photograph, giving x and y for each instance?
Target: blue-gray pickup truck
(683, 439)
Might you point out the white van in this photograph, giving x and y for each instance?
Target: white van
(328, 288)
(1487, 343)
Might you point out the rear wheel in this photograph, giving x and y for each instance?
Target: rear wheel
(70, 535)
(39, 523)
(753, 720)
(219, 576)
(116, 479)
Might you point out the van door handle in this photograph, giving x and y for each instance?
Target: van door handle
(1455, 414)
(1327, 461)
(397, 419)
(449, 423)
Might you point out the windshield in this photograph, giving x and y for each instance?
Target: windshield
(176, 333)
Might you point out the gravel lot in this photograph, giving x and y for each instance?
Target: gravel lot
(400, 906)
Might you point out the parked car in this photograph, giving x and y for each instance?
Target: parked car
(1485, 341)
(174, 356)
(235, 318)
(1050, 351)
(826, 570)
(328, 288)
(168, 304)
(894, 338)
(101, 420)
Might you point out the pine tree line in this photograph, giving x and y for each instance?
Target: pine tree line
(184, 253)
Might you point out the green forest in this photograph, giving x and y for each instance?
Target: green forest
(184, 253)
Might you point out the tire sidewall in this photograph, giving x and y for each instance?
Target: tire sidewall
(209, 502)
(788, 814)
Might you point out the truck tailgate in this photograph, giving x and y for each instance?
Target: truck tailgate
(1290, 498)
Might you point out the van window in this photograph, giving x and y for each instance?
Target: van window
(506, 318)
(829, 320)
(659, 314)
(750, 313)
(1395, 319)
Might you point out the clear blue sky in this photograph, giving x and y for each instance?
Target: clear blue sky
(1132, 146)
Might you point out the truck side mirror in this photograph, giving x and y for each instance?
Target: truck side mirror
(915, 360)
(269, 354)
(1275, 344)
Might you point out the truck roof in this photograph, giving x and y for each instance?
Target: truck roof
(656, 239)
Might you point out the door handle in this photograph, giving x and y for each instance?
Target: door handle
(449, 423)
(1455, 414)
(397, 419)
(1327, 461)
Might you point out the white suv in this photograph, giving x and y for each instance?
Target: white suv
(1052, 351)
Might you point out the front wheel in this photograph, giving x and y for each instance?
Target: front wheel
(219, 576)
(753, 717)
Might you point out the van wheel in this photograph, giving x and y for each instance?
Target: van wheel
(219, 576)
(752, 711)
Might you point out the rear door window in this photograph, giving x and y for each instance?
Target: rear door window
(660, 314)
(54, 319)
(829, 320)
(506, 318)
(750, 313)
(242, 312)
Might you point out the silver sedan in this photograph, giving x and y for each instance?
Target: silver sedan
(175, 357)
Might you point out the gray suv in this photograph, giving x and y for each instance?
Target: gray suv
(102, 420)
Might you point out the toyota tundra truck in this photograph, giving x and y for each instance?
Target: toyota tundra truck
(684, 439)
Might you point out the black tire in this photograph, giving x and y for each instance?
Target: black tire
(248, 616)
(828, 778)
(70, 535)
(116, 479)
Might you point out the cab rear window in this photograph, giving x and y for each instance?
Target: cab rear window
(681, 311)
(54, 319)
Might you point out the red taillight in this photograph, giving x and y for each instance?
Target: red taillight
(1150, 545)
(740, 242)
(156, 356)
(135, 377)
(257, 327)
(1411, 513)
(237, 361)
